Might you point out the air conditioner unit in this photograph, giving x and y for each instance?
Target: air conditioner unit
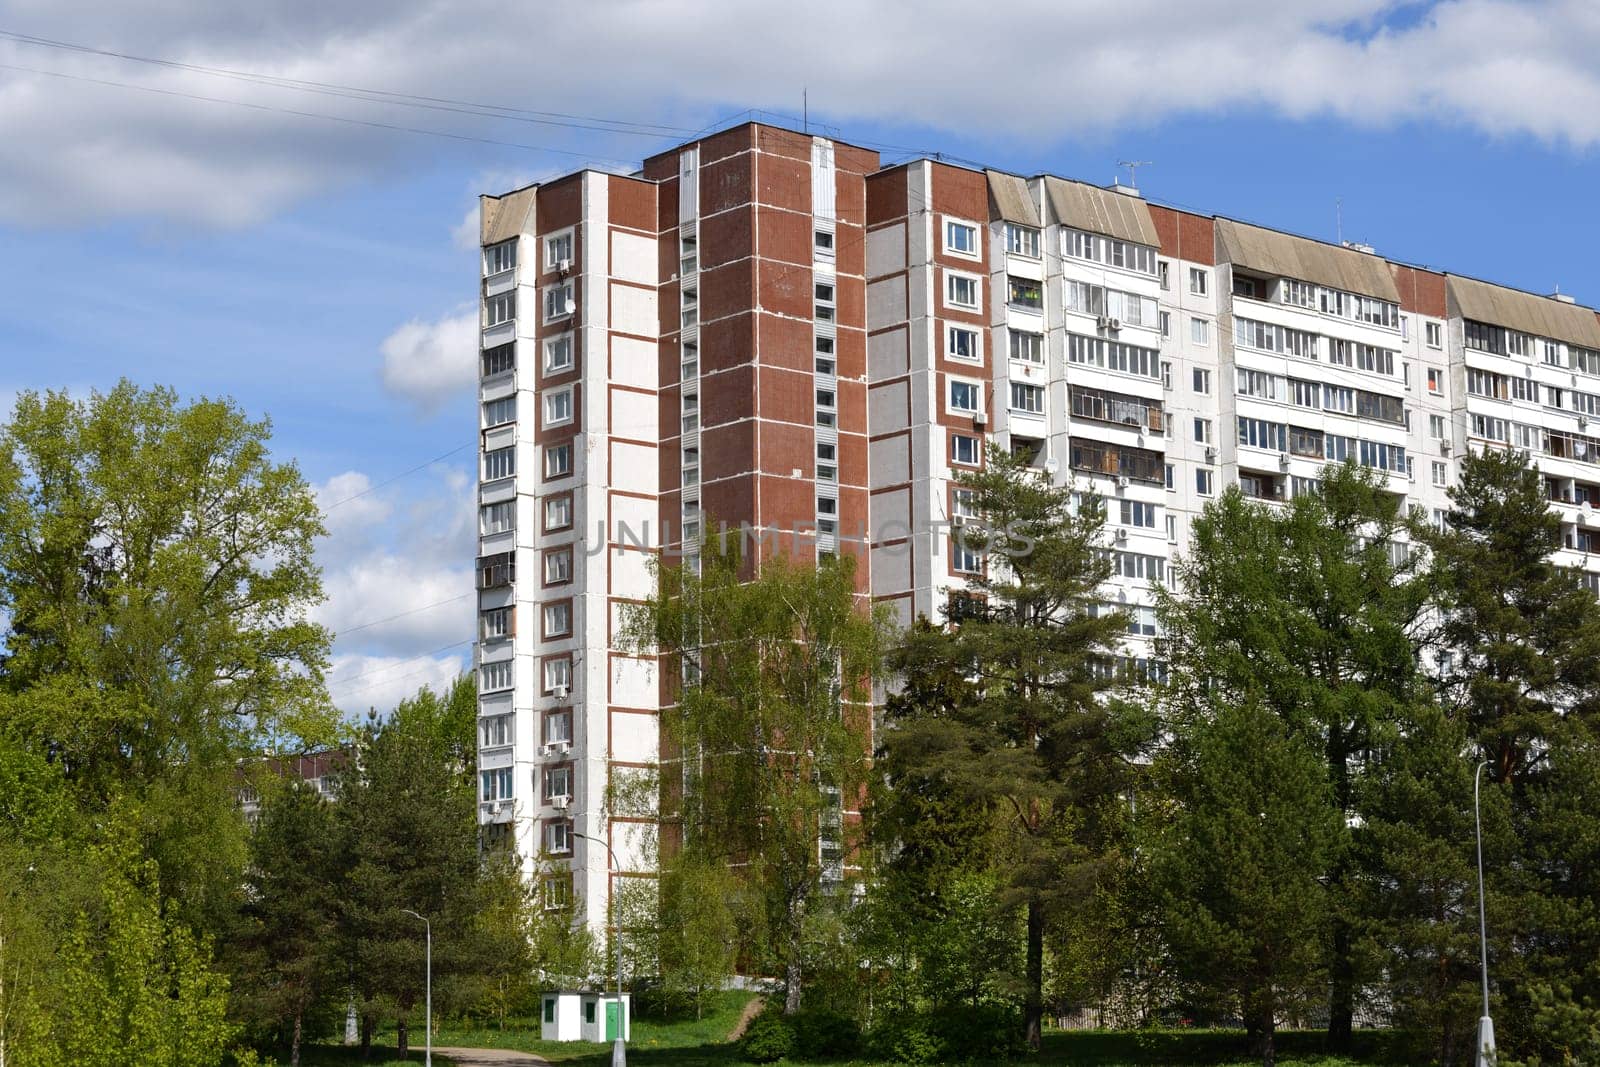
(560, 690)
(1211, 454)
(1122, 535)
(1102, 321)
(1122, 481)
(1114, 325)
(494, 808)
(958, 521)
(560, 746)
(564, 266)
(1278, 491)
(561, 803)
(1283, 462)
(1444, 448)
(980, 418)
(1583, 422)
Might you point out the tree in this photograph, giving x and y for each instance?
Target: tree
(1033, 736)
(1311, 610)
(770, 735)
(1240, 864)
(285, 957)
(699, 928)
(409, 810)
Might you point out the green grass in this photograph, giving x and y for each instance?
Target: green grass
(703, 1043)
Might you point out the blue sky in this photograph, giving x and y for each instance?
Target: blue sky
(316, 270)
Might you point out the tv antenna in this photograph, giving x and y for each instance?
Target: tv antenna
(1133, 166)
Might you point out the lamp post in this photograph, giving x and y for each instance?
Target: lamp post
(1486, 1054)
(619, 1054)
(428, 986)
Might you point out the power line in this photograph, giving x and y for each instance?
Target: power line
(354, 92)
(339, 683)
(400, 615)
(370, 123)
(390, 481)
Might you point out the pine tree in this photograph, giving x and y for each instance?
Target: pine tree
(1033, 737)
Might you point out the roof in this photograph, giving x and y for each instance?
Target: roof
(503, 217)
(1544, 316)
(1288, 256)
(1089, 207)
(1010, 200)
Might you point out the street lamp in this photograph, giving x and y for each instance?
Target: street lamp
(1486, 1055)
(428, 979)
(619, 1055)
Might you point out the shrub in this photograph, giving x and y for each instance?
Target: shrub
(906, 1040)
(769, 1038)
(822, 1033)
(984, 1034)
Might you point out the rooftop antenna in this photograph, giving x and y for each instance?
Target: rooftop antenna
(1338, 218)
(805, 109)
(1133, 166)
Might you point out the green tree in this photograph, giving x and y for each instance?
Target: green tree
(1312, 611)
(285, 955)
(771, 734)
(1240, 864)
(1034, 736)
(699, 928)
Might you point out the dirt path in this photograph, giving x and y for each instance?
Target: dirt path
(751, 1010)
(490, 1057)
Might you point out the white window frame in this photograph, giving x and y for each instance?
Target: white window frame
(490, 516)
(561, 572)
(557, 837)
(1205, 481)
(552, 403)
(1200, 380)
(950, 278)
(1036, 344)
(951, 224)
(502, 304)
(976, 348)
(561, 508)
(561, 613)
(552, 347)
(1199, 331)
(1030, 238)
(1434, 332)
(1026, 389)
(550, 453)
(1199, 281)
(552, 244)
(556, 311)
(554, 671)
(949, 396)
(494, 259)
(955, 450)
(502, 411)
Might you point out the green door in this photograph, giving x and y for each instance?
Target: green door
(613, 1019)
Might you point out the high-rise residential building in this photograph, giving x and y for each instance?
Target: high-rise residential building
(766, 328)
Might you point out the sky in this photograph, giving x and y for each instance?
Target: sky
(277, 202)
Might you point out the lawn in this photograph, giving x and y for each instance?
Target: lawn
(703, 1043)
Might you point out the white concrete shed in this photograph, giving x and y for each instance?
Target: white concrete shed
(585, 1015)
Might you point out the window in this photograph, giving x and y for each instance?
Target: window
(1199, 281)
(500, 308)
(1024, 293)
(496, 785)
(964, 558)
(1121, 254)
(588, 1012)
(497, 518)
(1027, 347)
(961, 290)
(1104, 406)
(558, 302)
(558, 354)
(557, 783)
(822, 241)
(499, 412)
(1138, 513)
(1022, 241)
(558, 407)
(496, 730)
(558, 727)
(826, 303)
(1435, 380)
(1439, 473)
(557, 895)
(557, 837)
(1436, 427)
(1139, 566)
(500, 257)
(1268, 337)
(1166, 374)
(495, 624)
(558, 512)
(1172, 477)
(827, 407)
(1202, 431)
(500, 463)
(1028, 398)
(963, 343)
(497, 570)
(1204, 480)
(1200, 331)
(965, 396)
(557, 461)
(558, 567)
(964, 450)
(1166, 324)
(827, 461)
(1115, 355)
(1202, 381)
(558, 248)
(1435, 334)
(963, 503)
(1246, 287)
(495, 676)
(1164, 275)
(501, 359)
(961, 238)
(557, 674)
(557, 619)
(1172, 529)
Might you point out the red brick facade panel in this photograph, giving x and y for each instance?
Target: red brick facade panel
(785, 289)
(960, 192)
(726, 238)
(1421, 291)
(787, 396)
(633, 203)
(785, 182)
(728, 342)
(1185, 235)
(850, 354)
(786, 343)
(785, 236)
(886, 195)
(727, 396)
(725, 184)
(725, 291)
(728, 450)
(786, 447)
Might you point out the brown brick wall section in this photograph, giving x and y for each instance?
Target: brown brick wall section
(1185, 235)
(633, 204)
(886, 195)
(1421, 291)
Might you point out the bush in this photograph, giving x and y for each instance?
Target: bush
(819, 1033)
(769, 1037)
(907, 1040)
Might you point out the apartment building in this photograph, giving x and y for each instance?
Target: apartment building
(767, 328)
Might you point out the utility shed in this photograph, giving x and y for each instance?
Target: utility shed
(584, 1015)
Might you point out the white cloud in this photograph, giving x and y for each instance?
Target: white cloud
(427, 361)
(356, 683)
(74, 151)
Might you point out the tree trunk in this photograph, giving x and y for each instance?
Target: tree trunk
(791, 984)
(1266, 1035)
(403, 1038)
(1341, 1000)
(294, 1044)
(1033, 1017)
(367, 1026)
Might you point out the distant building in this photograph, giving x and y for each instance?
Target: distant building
(768, 327)
(319, 770)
